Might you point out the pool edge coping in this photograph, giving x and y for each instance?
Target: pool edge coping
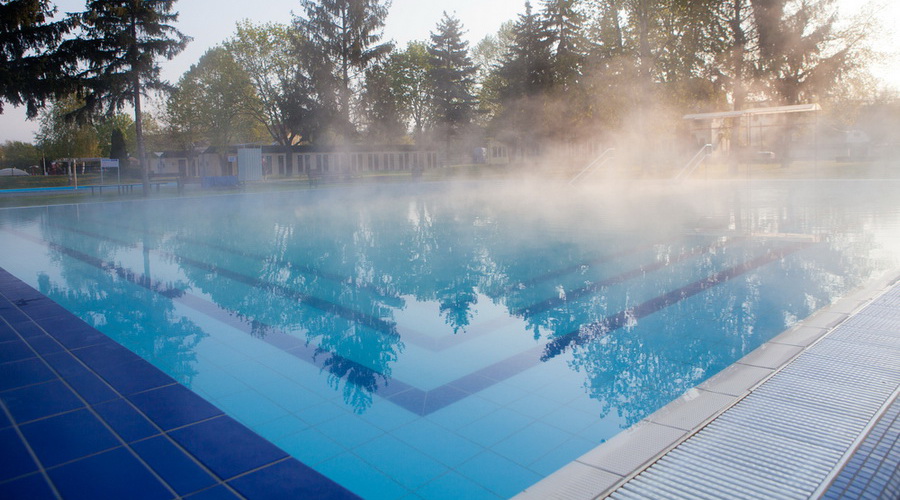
(610, 465)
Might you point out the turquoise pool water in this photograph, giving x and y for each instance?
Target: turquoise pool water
(454, 340)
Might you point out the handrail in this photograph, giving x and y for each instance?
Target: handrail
(598, 162)
(704, 153)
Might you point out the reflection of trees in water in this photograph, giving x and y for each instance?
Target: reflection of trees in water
(307, 268)
(152, 330)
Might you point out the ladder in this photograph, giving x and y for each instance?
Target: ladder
(598, 162)
(701, 156)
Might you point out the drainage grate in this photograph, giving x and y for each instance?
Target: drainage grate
(787, 437)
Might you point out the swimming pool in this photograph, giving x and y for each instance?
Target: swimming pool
(453, 339)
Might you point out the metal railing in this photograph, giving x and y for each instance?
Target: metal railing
(598, 162)
(701, 156)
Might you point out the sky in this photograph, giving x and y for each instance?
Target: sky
(210, 22)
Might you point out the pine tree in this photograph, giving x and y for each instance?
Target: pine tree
(120, 45)
(345, 35)
(451, 72)
(117, 148)
(528, 66)
(33, 70)
(564, 29)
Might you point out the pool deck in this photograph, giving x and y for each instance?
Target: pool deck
(814, 413)
(811, 413)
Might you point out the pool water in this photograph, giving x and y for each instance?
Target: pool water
(454, 340)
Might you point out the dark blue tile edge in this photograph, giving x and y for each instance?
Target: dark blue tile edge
(227, 457)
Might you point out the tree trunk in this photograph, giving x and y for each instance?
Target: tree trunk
(738, 91)
(139, 132)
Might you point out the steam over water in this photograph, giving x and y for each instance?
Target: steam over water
(566, 313)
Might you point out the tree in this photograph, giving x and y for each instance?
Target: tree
(118, 150)
(564, 23)
(213, 102)
(346, 34)
(279, 77)
(802, 53)
(33, 70)
(412, 86)
(525, 79)
(120, 45)
(61, 137)
(451, 72)
(18, 154)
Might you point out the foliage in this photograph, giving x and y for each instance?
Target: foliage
(33, 70)
(451, 72)
(214, 102)
(264, 53)
(345, 37)
(18, 154)
(120, 44)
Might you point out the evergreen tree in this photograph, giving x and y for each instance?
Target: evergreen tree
(345, 34)
(117, 148)
(33, 70)
(564, 24)
(528, 66)
(120, 45)
(525, 80)
(451, 72)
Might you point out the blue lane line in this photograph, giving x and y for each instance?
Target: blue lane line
(423, 402)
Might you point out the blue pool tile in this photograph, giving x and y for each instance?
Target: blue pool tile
(92, 388)
(532, 443)
(26, 328)
(403, 463)
(66, 364)
(213, 442)
(282, 426)
(4, 420)
(44, 344)
(14, 350)
(453, 486)
(78, 336)
(216, 493)
(464, 412)
(310, 446)
(105, 355)
(38, 401)
(251, 408)
(125, 420)
(7, 333)
(349, 430)
(123, 476)
(43, 308)
(442, 397)
(23, 373)
(494, 427)
(562, 455)
(66, 437)
(365, 481)
(173, 406)
(32, 487)
(501, 476)
(15, 460)
(289, 479)
(323, 412)
(133, 377)
(438, 442)
(181, 472)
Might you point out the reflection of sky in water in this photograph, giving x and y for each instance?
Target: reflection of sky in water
(525, 324)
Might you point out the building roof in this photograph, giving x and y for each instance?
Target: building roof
(775, 110)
